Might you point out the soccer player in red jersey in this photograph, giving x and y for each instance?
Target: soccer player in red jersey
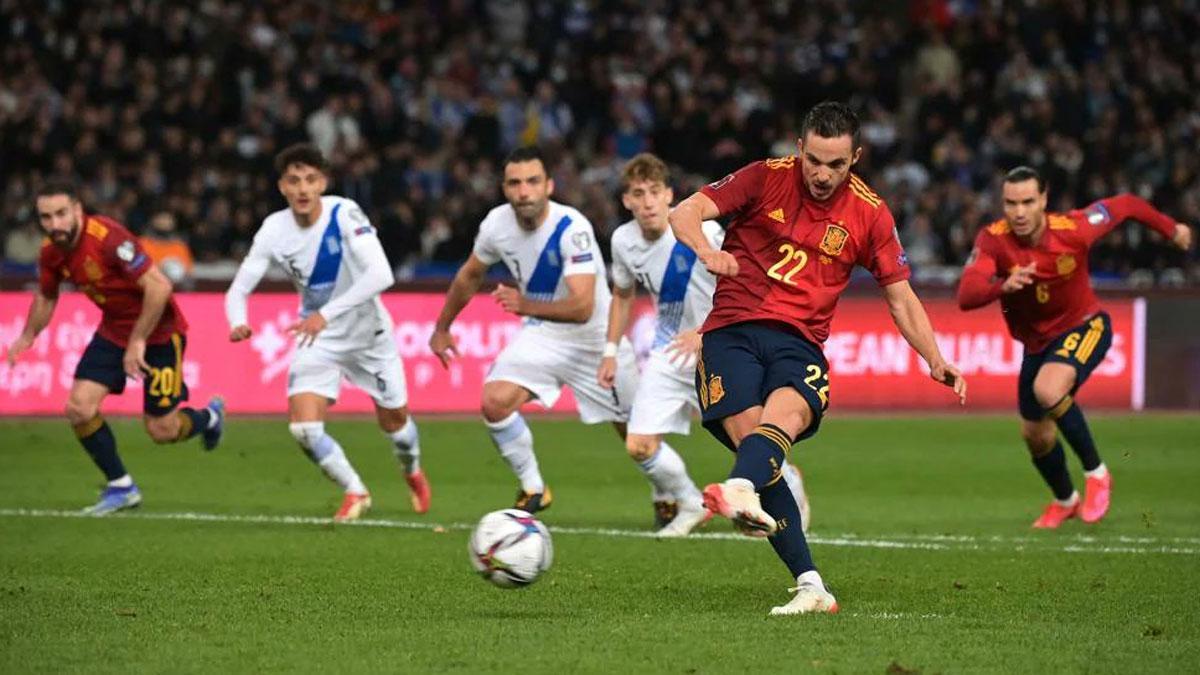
(142, 334)
(1035, 264)
(798, 227)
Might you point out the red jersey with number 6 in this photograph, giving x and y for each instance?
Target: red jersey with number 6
(1061, 295)
(794, 253)
(106, 264)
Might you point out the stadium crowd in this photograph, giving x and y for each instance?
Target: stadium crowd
(169, 112)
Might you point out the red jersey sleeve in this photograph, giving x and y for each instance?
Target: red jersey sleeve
(885, 257)
(48, 274)
(1104, 215)
(978, 285)
(737, 190)
(125, 255)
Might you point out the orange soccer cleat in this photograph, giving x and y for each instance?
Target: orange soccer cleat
(353, 505)
(419, 491)
(1055, 514)
(1096, 496)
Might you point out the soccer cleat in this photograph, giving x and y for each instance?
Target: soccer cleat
(532, 502)
(664, 512)
(796, 485)
(810, 598)
(354, 504)
(687, 519)
(418, 490)
(1056, 514)
(736, 500)
(114, 499)
(211, 437)
(1096, 496)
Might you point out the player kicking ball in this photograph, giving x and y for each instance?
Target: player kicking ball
(142, 335)
(1036, 264)
(798, 227)
(561, 295)
(645, 251)
(333, 256)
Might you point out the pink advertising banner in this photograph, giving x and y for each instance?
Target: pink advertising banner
(871, 366)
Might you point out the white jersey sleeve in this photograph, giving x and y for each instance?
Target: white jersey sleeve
(578, 248)
(485, 242)
(249, 273)
(622, 274)
(714, 233)
(370, 270)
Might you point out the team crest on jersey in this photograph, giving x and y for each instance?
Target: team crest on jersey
(92, 269)
(835, 239)
(1065, 264)
(126, 251)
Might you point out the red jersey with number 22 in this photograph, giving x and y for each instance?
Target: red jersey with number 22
(794, 253)
(105, 264)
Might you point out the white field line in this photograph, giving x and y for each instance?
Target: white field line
(1068, 544)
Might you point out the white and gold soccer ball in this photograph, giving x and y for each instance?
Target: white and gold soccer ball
(510, 548)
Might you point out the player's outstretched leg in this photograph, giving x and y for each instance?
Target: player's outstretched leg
(1098, 488)
(406, 444)
(514, 440)
(322, 449)
(760, 456)
(96, 437)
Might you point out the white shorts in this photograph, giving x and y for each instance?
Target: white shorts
(376, 369)
(665, 399)
(544, 364)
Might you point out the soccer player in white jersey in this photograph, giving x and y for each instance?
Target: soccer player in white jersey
(333, 256)
(563, 297)
(645, 251)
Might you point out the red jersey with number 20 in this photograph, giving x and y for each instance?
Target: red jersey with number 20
(1061, 295)
(794, 253)
(105, 264)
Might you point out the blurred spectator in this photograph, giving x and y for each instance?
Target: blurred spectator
(182, 104)
(21, 248)
(167, 248)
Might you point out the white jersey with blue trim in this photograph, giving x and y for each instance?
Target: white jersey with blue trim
(562, 246)
(682, 287)
(337, 264)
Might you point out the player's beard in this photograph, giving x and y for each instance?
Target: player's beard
(65, 239)
(529, 213)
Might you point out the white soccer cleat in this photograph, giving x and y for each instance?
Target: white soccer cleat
(811, 598)
(354, 505)
(736, 500)
(795, 482)
(690, 517)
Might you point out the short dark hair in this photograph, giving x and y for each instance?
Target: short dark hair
(526, 153)
(1023, 173)
(830, 119)
(301, 153)
(58, 186)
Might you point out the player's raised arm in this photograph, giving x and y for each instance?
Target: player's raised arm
(1108, 213)
(466, 282)
(686, 222)
(979, 286)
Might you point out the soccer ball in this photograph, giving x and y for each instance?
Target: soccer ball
(510, 548)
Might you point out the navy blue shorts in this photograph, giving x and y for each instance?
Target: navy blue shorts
(1083, 348)
(163, 387)
(740, 365)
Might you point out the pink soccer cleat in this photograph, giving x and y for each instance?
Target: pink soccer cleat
(1096, 496)
(353, 505)
(419, 491)
(1056, 514)
(736, 500)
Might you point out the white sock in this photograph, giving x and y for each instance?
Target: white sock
(1069, 501)
(125, 481)
(514, 440)
(328, 455)
(668, 475)
(811, 577)
(1098, 472)
(407, 446)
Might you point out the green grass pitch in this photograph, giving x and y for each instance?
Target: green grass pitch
(921, 528)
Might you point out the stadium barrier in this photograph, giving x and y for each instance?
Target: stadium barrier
(871, 367)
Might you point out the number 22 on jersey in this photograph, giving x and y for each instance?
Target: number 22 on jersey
(790, 253)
